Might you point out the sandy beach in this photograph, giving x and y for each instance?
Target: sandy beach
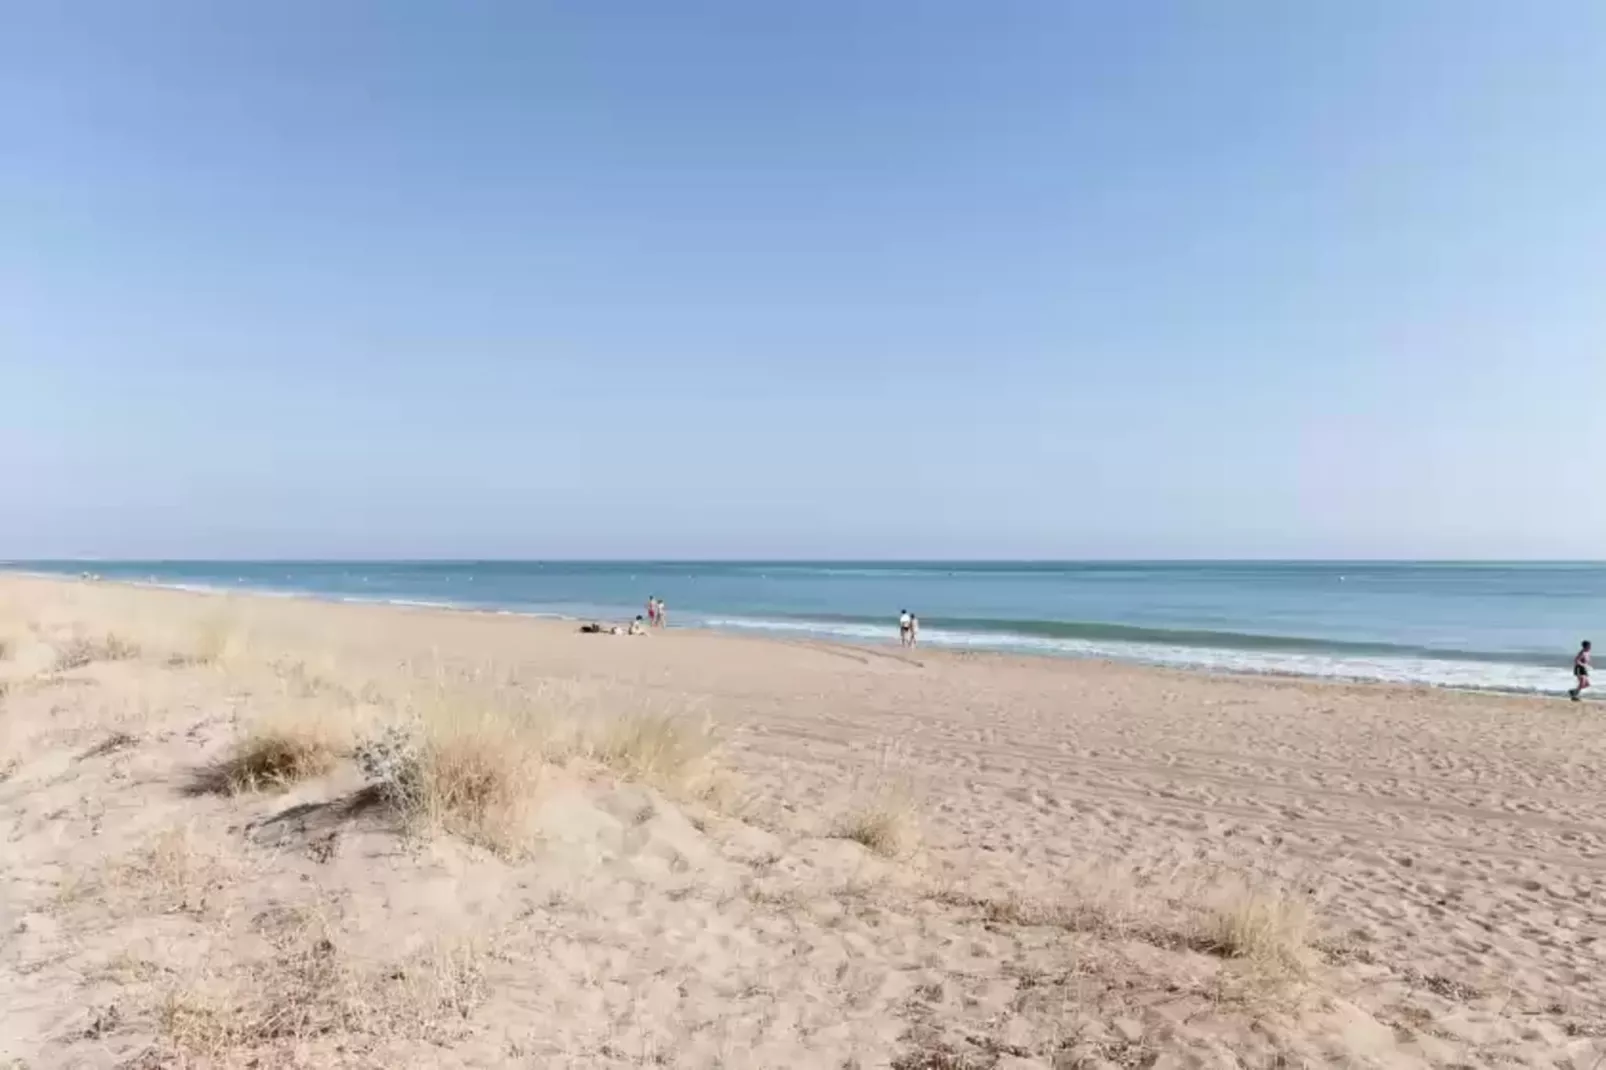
(740, 852)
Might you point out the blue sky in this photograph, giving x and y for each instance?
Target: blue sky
(1050, 279)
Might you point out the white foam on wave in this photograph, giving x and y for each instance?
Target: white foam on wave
(415, 603)
(214, 588)
(193, 588)
(1436, 672)
(836, 630)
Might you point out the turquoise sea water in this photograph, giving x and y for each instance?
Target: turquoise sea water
(1502, 626)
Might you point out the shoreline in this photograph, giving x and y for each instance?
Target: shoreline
(803, 852)
(806, 640)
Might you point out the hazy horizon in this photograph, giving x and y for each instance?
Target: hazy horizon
(1059, 281)
(916, 561)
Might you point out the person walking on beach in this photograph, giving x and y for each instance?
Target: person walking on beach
(652, 610)
(905, 627)
(1580, 673)
(914, 630)
(662, 619)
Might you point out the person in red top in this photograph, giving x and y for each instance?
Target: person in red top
(1580, 672)
(652, 610)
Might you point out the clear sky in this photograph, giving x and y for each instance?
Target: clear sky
(1052, 279)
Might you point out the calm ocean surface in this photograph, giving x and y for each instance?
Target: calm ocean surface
(1505, 626)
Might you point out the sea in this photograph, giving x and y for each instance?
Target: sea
(1476, 625)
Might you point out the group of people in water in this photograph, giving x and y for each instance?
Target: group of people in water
(908, 628)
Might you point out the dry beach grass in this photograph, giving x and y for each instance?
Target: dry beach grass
(244, 832)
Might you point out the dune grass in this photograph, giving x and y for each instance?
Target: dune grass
(480, 777)
(219, 639)
(111, 744)
(1102, 910)
(1258, 924)
(15, 630)
(309, 988)
(180, 871)
(674, 754)
(473, 760)
(885, 823)
(1246, 918)
(279, 752)
(83, 650)
(302, 989)
(476, 775)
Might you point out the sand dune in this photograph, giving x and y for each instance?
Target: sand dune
(902, 860)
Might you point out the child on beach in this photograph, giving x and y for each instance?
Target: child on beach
(1580, 672)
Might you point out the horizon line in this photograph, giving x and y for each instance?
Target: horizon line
(563, 560)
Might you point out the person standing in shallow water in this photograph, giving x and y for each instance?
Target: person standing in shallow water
(652, 610)
(1580, 673)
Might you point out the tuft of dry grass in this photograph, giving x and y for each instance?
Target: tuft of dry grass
(673, 753)
(218, 640)
(299, 682)
(1079, 910)
(14, 633)
(886, 823)
(479, 778)
(1172, 907)
(81, 651)
(111, 744)
(303, 989)
(477, 750)
(1257, 924)
(475, 775)
(308, 990)
(443, 985)
(177, 873)
(125, 969)
(935, 1055)
(277, 753)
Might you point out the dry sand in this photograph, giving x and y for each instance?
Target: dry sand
(1075, 864)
